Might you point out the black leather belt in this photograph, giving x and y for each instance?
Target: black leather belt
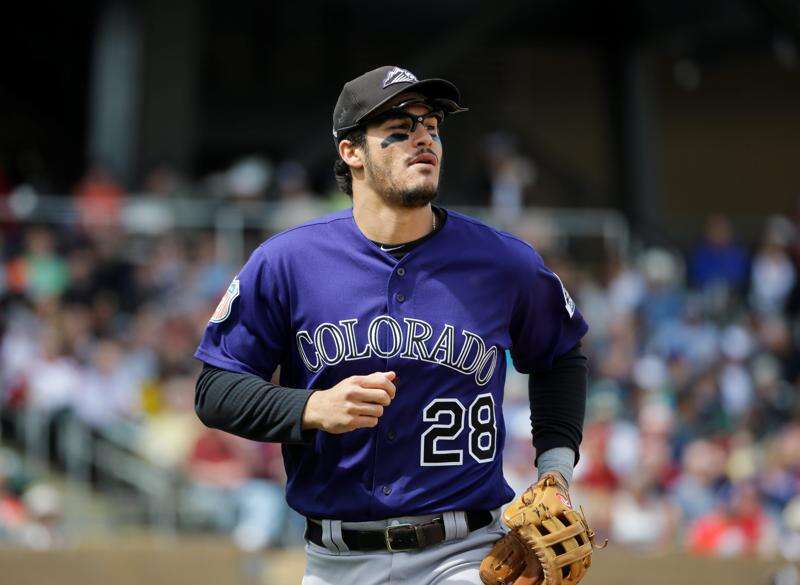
(402, 537)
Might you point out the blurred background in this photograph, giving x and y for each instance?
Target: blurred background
(649, 149)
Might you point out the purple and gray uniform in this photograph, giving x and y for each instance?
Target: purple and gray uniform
(323, 302)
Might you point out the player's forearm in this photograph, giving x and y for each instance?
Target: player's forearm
(558, 404)
(250, 407)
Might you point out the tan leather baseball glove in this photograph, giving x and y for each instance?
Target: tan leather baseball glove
(544, 530)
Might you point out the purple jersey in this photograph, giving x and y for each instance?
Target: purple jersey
(323, 302)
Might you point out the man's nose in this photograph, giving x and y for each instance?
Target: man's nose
(421, 136)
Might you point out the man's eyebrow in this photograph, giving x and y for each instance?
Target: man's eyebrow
(392, 117)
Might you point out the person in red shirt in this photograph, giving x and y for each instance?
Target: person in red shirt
(239, 486)
(98, 198)
(736, 528)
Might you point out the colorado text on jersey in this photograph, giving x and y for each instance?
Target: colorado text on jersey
(330, 344)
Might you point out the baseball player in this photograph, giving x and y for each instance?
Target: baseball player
(390, 323)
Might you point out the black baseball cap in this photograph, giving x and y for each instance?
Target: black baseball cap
(363, 95)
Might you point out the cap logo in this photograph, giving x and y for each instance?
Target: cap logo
(398, 75)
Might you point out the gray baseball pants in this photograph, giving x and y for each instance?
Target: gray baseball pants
(455, 561)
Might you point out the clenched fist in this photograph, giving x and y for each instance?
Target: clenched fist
(356, 402)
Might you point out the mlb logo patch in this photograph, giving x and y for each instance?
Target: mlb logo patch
(224, 307)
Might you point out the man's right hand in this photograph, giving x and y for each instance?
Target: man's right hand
(356, 402)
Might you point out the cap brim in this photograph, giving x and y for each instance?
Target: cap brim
(430, 88)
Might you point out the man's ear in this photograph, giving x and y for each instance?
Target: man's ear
(351, 154)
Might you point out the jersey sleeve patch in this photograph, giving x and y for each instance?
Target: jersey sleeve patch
(569, 304)
(223, 310)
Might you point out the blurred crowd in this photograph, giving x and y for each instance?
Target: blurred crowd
(503, 179)
(98, 327)
(692, 437)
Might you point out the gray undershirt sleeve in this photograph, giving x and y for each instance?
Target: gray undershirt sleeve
(561, 459)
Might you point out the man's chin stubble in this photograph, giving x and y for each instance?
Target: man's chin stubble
(409, 198)
(419, 197)
(414, 197)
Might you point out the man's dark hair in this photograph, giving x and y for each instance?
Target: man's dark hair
(344, 178)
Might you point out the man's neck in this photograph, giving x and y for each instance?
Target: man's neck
(391, 225)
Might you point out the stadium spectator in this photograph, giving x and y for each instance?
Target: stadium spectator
(642, 518)
(247, 179)
(718, 259)
(238, 486)
(164, 180)
(45, 271)
(98, 198)
(109, 392)
(510, 173)
(54, 378)
(774, 275)
(296, 202)
(702, 478)
(31, 511)
(738, 527)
